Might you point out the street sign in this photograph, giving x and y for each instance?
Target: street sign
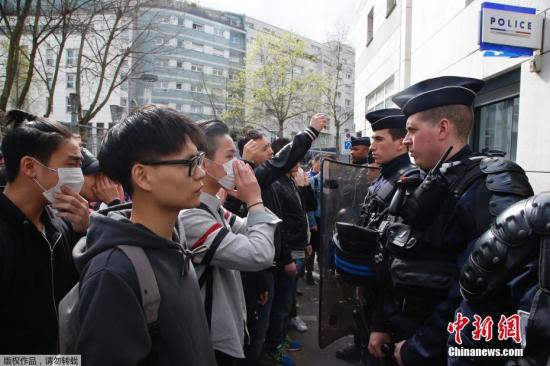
(514, 30)
(347, 146)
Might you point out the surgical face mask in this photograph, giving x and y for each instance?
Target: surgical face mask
(228, 180)
(71, 178)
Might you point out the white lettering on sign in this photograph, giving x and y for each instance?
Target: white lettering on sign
(511, 28)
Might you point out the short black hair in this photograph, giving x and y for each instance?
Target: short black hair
(149, 132)
(278, 144)
(249, 134)
(212, 129)
(30, 136)
(397, 133)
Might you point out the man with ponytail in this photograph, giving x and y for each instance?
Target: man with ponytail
(41, 218)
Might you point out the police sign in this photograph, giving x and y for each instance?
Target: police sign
(508, 25)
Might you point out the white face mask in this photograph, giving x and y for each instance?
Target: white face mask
(228, 180)
(72, 178)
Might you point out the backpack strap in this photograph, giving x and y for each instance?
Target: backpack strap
(208, 276)
(150, 295)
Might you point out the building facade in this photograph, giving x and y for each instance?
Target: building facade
(193, 53)
(402, 42)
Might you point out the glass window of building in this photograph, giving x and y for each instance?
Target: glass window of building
(196, 88)
(496, 127)
(198, 27)
(390, 5)
(370, 26)
(196, 108)
(196, 68)
(179, 86)
(71, 78)
(179, 64)
(218, 32)
(197, 47)
(381, 97)
(217, 52)
(72, 54)
(217, 72)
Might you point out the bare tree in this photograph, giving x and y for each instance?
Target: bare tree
(14, 16)
(334, 70)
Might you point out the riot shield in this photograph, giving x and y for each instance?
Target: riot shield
(344, 187)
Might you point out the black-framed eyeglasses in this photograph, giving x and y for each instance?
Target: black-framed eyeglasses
(193, 163)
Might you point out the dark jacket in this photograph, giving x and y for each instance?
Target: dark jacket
(113, 327)
(269, 172)
(294, 227)
(36, 271)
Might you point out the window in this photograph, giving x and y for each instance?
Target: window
(162, 62)
(381, 97)
(196, 68)
(197, 88)
(348, 75)
(123, 102)
(71, 78)
(370, 26)
(234, 57)
(179, 86)
(338, 94)
(49, 57)
(179, 64)
(71, 103)
(164, 19)
(198, 27)
(180, 43)
(217, 72)
(390, 5)
(218, 32)
(179, 107)
(218, 52)
(196, 109)
(315, 49)
(235, 39)
(496, 127)
(197, 47)
(72, 54)
(348, 102)
(162, 85)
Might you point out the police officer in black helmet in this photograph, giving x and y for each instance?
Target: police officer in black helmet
(360, 150)
(441, 218)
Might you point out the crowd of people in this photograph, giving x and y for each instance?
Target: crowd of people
(179, 246)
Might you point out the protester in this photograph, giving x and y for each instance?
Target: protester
(99, 190)
(259, 286)
(153, 154)
(39, 226)
(233, 244)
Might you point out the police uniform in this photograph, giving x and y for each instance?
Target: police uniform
(429, 240)
(374, 212)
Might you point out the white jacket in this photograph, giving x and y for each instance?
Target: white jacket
(248, 245)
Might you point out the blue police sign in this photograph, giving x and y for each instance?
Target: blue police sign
(511, 30)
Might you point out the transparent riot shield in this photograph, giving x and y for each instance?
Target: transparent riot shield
(344, 187)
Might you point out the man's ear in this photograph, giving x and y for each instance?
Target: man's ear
(444, 127)
(141, 177)
(28, 166)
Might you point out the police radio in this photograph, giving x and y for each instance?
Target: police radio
(415, 208)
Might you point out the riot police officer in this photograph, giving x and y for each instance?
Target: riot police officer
(389, 152)
(439, 219)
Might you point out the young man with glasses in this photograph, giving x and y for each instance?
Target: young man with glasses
(153, 154)
(232, 243)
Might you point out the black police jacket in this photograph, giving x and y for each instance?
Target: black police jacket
(36, 271)
(424, 267)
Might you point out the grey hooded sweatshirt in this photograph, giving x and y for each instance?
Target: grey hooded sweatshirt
(113, 328)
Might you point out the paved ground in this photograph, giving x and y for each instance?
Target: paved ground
(311, 354)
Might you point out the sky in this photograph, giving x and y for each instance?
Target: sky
(314, 19)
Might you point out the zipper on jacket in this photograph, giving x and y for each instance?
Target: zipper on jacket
(52, 281)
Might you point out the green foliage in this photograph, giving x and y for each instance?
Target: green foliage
(277, 84)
